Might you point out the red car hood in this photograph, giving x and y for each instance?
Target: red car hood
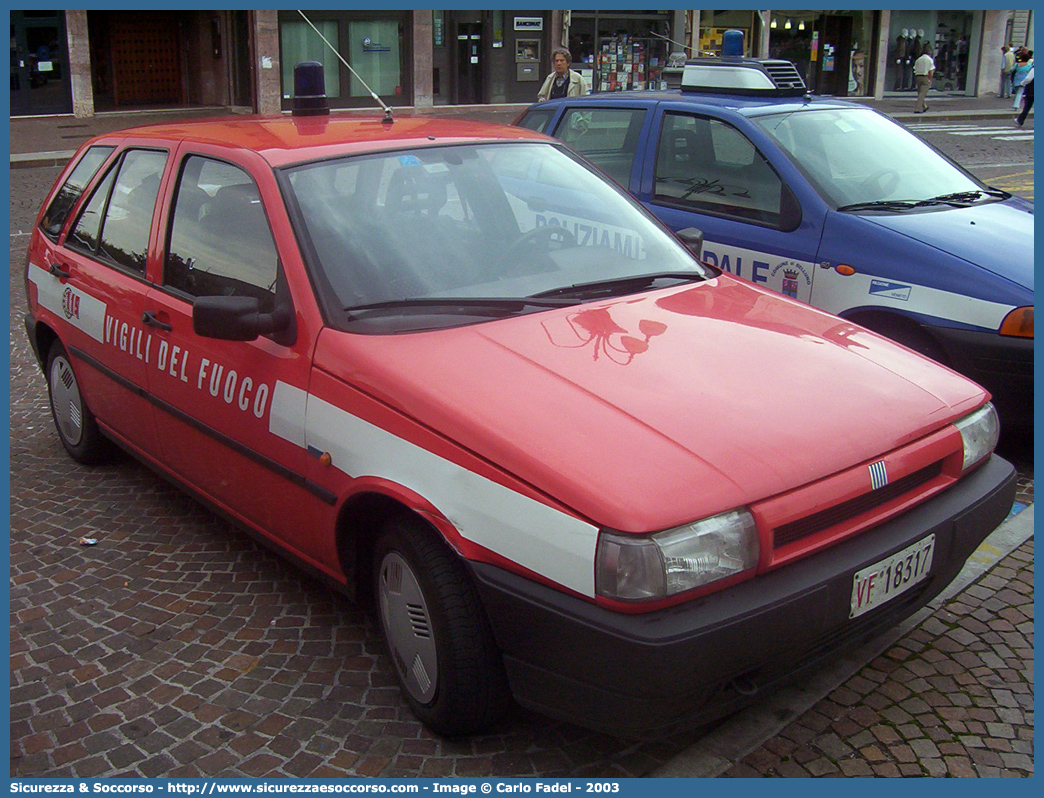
(649, 411)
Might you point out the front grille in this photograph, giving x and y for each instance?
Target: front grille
(810, 525)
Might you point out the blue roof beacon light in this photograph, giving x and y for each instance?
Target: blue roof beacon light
(732, 44)
(309, 90)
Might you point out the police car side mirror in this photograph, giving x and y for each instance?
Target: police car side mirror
(234, 318)
(692, 238)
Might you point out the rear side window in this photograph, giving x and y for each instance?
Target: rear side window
(114, 226)
(607, 137)
(220, 241)
(62, 204)
(707, 166)
(536, 120)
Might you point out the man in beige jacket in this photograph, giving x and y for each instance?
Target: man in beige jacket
(563, 81)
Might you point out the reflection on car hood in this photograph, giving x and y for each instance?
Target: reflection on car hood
(652, 410)
(997, 236)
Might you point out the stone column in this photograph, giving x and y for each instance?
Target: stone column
(79, 63)
(994, 26)
(423, 60)
(265, 51)
(880, 54)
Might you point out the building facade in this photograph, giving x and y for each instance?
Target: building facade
(87, 62)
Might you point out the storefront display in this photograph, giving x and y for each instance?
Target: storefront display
(621, 52)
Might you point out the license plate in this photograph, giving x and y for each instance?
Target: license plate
(892, 576)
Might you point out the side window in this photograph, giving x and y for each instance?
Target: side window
(608, 137)
(220, 241)
(114, 226)
(62, 204)
(710, 167)
(536, 120)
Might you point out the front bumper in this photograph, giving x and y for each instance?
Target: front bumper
(1001, 364)
(664, 671)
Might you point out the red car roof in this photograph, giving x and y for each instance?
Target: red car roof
(283, 140)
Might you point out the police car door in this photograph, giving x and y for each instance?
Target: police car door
(701, 171)
(92, 281)
(216, 396)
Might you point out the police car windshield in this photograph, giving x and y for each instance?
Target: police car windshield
(856, 156)
(509, 220)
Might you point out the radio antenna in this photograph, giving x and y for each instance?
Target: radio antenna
(378, 100)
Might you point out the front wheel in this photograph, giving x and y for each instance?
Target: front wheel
(445, 657)
(72, 418)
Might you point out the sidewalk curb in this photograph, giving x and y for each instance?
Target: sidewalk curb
(743, 733)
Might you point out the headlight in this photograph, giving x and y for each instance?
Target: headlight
(631, 568)
(979, 431)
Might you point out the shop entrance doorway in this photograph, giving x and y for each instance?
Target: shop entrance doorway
(470, 69)
(39, 64)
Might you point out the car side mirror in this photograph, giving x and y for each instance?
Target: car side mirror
(692, 238)
(235, 318)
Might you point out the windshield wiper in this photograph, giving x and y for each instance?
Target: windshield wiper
(619, 285)
(880, 205)
(485, 306)
(965, 197)
(958, 199)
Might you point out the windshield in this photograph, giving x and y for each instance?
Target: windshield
(855, 155)
(395, 234)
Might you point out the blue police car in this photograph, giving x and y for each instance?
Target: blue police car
(826, 201)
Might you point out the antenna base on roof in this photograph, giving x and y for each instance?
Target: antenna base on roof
(387, 120)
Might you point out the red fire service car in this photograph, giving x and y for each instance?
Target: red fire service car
(574, 465)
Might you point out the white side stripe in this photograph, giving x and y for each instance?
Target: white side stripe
(834, 293)
(86, 314)
(523, 530)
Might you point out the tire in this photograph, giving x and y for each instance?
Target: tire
(74, 421)
(440, 642)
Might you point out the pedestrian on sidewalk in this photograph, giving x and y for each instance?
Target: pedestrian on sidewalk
(563, 81)
(924, 68)
(1027, 98)
(1007, 68)
(1023, 64)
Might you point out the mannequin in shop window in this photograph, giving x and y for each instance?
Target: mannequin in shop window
(563, 81)
(898, 58)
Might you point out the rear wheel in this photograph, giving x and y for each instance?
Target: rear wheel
(445, 657)
(74, 421)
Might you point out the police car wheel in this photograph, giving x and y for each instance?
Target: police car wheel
(440, 642)
(72, 418)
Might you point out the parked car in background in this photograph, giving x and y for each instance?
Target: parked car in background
(829, 202)
(572, 463)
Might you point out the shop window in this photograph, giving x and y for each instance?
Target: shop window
(375, 54)
(298, 42)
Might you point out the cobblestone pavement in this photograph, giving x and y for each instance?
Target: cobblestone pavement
(954, 698)
(176, 647)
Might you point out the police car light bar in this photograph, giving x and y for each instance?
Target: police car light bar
(734, 74)
(743, 76)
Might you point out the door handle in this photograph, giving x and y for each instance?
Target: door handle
(149, 318)
(58, 271)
